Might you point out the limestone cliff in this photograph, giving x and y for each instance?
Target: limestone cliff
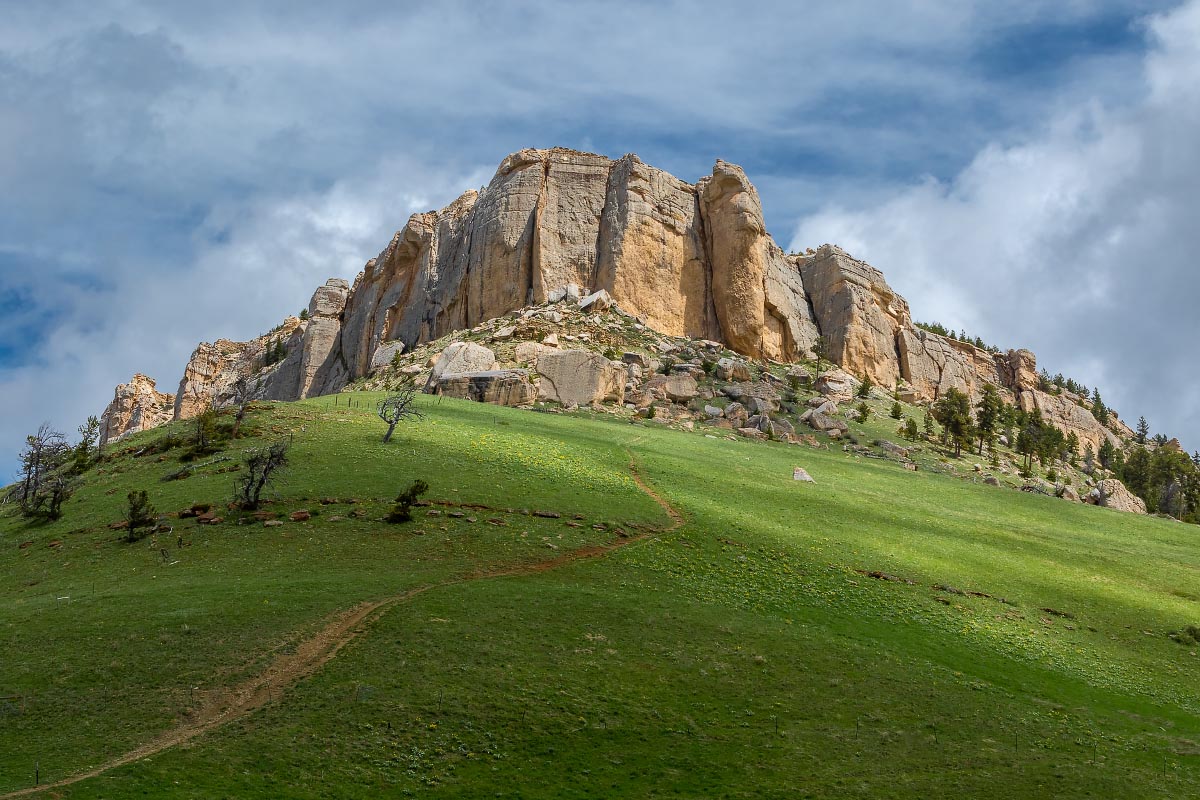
(690, 260)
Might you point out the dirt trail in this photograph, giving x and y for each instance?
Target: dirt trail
(287, 669)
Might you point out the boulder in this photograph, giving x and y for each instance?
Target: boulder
(824, 422)
(737, 413)
(732, 369)
(761, 405)
(801, 474)
(892, 448)
(635, 359)
(1111, 493)
(714, 411)
(505, 387)
(824, 405)
(384, 354)
(579, 377)
(599, 300)
(1067, 493)
(838, 384)
(679, 387)
(743, 391)
(527, 352)
(799, 376)
(462, 357)
(569, 292)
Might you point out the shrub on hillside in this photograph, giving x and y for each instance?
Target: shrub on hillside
(141, 516)
(402, 510)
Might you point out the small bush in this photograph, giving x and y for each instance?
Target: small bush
(141, 515)
(402, 510)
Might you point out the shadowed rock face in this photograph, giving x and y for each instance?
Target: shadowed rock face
(686, 259)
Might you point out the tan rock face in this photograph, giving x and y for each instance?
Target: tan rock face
(933, 364)
(735, 230)
(651, 255)
(1064, 413)
(857, 312)
(1019, 370)
(136, 406)
(555, 223)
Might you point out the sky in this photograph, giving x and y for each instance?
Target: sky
(178, 172)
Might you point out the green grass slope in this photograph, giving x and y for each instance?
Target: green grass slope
(748, 652)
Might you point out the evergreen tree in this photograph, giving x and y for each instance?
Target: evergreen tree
(927, 423)
(864, 411)
(953, 411)
(987, 416)
(910, 429)
(1107, 454)
(897, 410)
(1072, 447)
(1143, 431)
(1099, 410)
(864, 388)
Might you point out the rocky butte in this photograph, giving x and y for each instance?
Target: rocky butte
(685, 259)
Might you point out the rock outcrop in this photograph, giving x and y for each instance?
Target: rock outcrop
(1065, 412)
(1111, 493)
(503, 387)
(687, 260)
(136, 406)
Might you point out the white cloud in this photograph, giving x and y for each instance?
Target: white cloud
(252, 265)
(1079, 242)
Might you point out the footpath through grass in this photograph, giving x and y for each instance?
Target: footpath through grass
(750, 653)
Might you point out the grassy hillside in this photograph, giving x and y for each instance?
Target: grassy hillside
(745, 653)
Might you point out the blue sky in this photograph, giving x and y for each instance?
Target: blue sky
(181, 172)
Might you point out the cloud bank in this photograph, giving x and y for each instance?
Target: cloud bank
(1079, 242)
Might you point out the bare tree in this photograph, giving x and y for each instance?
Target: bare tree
(261, 467)
(39, 491)
(396, 407)
(243, 393)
